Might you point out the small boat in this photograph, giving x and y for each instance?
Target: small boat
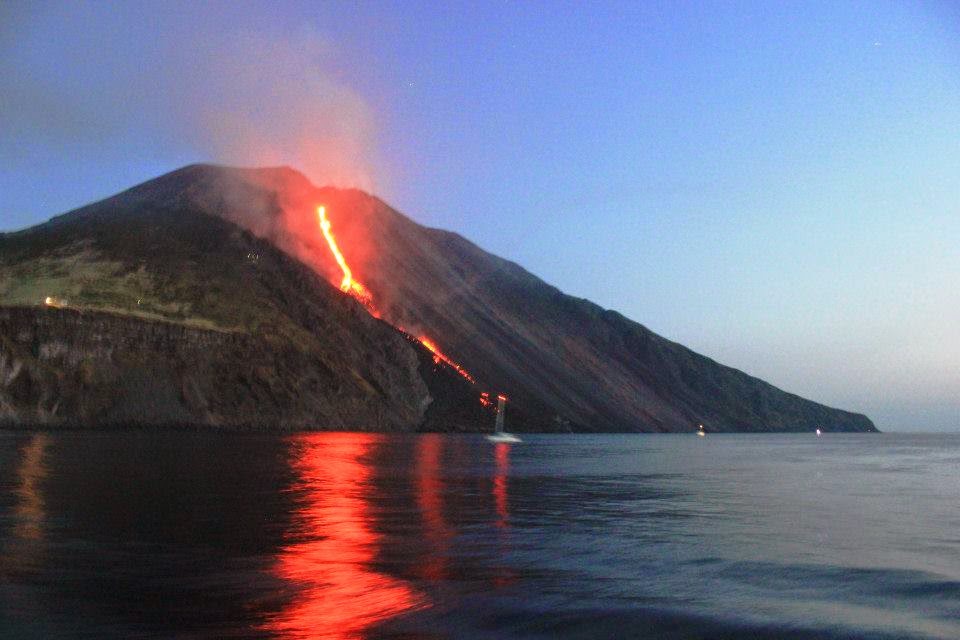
(818, 433)
(701, 432)
(499, 435)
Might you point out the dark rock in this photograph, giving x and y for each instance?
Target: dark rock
(210, 323)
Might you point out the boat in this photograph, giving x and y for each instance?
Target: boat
(700, 431)
(499, 435)
(818, 432)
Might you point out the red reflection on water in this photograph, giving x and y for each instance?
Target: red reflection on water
(503, 575)
(430, 501)
(500, 488)
(340, 594)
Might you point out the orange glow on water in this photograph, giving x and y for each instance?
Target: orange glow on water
(29, 510)
(430, 502)
(24, 549)
(340, 595)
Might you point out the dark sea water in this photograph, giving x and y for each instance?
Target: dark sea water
(190, 535)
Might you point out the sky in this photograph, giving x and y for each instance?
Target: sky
(775, 185)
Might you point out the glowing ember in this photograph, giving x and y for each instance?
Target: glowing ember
(348, 284)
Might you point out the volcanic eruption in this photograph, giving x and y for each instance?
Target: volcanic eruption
(224, 275)
(348, 284)
(354, 288)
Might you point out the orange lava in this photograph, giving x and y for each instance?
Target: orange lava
(438, 357)
(357, 290)
(348, 284)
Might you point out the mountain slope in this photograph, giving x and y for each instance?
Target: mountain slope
(562, 358)
(565, 362)
(175, 317)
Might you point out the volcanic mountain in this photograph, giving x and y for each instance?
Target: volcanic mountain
(209, 296)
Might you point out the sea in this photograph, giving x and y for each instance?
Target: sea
(175, 534)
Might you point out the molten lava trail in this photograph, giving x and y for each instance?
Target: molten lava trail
(348, 284)
(439, 356)
(357, 290)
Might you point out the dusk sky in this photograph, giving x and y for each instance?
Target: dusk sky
(775, 185)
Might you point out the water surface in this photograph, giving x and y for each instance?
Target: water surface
(195, 535)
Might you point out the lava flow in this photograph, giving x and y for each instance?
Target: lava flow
(348, 284)
(357, 290)
(438, 357)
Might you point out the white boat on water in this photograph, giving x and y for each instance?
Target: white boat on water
(701, 432)
(499, 435)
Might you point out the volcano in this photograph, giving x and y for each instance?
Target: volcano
(210, 296)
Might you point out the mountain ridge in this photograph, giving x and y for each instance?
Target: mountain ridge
(565, 362)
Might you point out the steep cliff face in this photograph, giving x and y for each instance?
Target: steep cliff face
(238, 252)
(66, 367)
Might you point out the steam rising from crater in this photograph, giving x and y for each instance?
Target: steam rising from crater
(267, 102)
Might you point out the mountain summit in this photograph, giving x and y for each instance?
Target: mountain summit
(236, 257)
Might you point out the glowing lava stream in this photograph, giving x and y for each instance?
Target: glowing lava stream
(348, 284)
(439, 357)
(360, 292)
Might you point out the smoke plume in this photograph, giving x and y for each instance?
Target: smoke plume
(185, 86)
(263, 102)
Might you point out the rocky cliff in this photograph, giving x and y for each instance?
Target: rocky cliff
(63, 367)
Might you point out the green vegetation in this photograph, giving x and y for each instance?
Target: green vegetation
(79, 277)
(164, 264)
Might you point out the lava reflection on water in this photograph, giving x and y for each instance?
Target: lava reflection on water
(24, 547)
(30, 508)
(503, 575)
(430, 502)
(500, 484)
(340, 595)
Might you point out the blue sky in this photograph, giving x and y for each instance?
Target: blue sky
(776, 185)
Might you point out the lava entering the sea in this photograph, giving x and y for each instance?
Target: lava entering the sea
(362, 294)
